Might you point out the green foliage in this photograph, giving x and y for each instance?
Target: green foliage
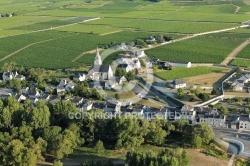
(164, 157)
(99, 148)
(241, 62)
(180, 93)
(197, 141)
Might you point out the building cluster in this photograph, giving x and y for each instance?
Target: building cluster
(239, 81)
(168, 64)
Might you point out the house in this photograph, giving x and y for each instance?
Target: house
(34, 92)
(99, 105)
(215, 120)
(77, 101)
(139, 53)
(87, 105)
(54, 99)
(110, 84)
(64, 82)
(129, 63)
(33, 99)
(239, 81)
(99, 71)
(60, 89)
(20, 77)
(178, 83)
(20, 97)
(45, 97)
(79, 77)
(151, 39)
(7, 76)
(4, 92)
(187, 112)
(25, 90)
(244, 122)
(70, 86)
(49, 89)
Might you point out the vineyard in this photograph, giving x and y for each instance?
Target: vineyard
(180, 73)
(120, 21)
(241, 62)
(204, 49)
(245, 53)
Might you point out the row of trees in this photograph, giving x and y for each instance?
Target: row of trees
(28, 132)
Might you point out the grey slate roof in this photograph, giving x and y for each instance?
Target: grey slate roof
(100, 68)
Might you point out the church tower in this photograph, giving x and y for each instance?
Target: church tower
(98, 60)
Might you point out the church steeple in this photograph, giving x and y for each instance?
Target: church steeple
(98, 60)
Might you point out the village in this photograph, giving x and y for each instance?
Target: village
(124, 74)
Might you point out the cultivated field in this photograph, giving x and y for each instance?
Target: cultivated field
(51, 34)
(212, 48)
(182, 72)
(241, 62)
(245, 53)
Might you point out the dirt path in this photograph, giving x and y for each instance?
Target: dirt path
(87, 52)
(21, 49)
(235, 52)
(53, 27)
(110, 33)
(196, 35)
(237, 8)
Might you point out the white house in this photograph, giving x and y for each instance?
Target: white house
(244, 122)
(151, 39)
(20, 97)
(187, 112)
(64, 82)
(34, 92)
(25, 90)
(70, 86)
(215, 120)
(178, 83)
(79, 77)
(7, 76)
(129, 64)
(98, 71)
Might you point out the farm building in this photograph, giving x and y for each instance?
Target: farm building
(177, 64)
(159, 62)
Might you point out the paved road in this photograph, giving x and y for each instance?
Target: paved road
(244, 136)
(153, 90)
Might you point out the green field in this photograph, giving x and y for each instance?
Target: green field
(241, 62)
(204, 49)
(180, 73)
(245, 53)
(60, 33)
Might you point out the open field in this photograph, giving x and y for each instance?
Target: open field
(182, 72)
(118, 156)
(120, 21)
(206, 79)
(212, 48)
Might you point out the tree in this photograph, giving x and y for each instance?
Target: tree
(160, 39)
(130, 76)
(99, 148)
(196, 141)
(8, 66)
(204, 131)
(224, 110)
(180, 93)
(40, 116)
(57, 163)
(141, 43)
(204, 96)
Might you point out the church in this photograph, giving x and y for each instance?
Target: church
(99, 71)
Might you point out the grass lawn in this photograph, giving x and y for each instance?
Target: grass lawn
(182, 72)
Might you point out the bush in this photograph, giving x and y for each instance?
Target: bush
(99, 148)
